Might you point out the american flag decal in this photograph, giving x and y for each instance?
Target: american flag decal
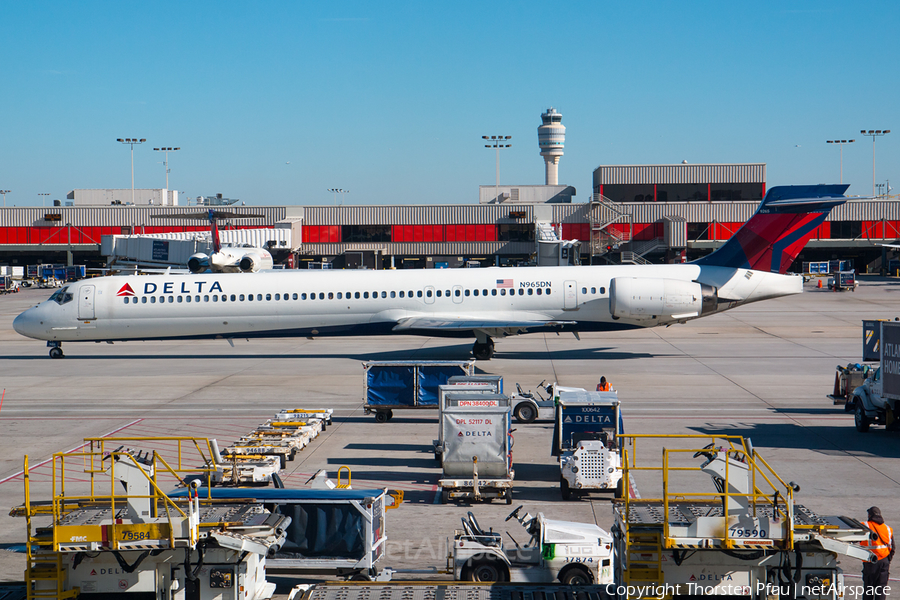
(504, 283)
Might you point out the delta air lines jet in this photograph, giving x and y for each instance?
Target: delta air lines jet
(482, 303)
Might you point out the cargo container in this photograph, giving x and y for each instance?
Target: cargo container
(586, 440)
(477, 449)
(461, 392)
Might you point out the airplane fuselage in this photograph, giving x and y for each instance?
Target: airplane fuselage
(453, 303)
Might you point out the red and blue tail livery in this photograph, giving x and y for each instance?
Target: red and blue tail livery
(782, 225)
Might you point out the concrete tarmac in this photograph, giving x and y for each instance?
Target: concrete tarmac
(762, 371)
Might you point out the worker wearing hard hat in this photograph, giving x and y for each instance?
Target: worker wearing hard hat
(604, 385)
(875, 573)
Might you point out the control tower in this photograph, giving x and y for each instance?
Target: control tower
(551, 139)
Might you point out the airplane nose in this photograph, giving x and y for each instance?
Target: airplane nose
(26, 323)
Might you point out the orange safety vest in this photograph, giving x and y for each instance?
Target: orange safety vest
(881, 546)
(604, 387)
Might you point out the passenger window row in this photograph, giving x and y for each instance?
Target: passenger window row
(584, 290)
(336, 295)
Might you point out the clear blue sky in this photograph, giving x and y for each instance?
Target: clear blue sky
(274, 102)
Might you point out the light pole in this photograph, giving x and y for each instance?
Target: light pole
(43, 196)
(496, 141)
(4, 193)
(874, 133)
(841, 143)
(131, 142)
(337, 191)
(165, 163)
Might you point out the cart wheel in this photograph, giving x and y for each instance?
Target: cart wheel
(381, 417)
(508, 497)
(359, 577)
(486, 569)
(445, 496)
(525, 412)
(620, 489)
(390, 414)
(564, 489)
(575, 576)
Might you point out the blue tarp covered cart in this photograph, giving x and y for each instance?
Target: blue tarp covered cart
(393, 385)
(338, 531)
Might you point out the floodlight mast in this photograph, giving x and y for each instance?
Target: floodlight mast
(131, 142)
(496, 141)
(874, 133)
(841, 143)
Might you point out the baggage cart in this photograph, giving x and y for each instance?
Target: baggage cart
(331, 532)
(392, 385)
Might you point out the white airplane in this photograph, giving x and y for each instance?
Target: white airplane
(481, 303)
(225, 259)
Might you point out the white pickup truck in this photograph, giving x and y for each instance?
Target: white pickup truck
(872, 407)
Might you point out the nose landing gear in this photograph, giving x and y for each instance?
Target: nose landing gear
(56, 350)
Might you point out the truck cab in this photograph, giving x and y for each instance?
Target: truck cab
(563, 551)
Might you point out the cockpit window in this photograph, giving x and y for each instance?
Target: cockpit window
(62, 296)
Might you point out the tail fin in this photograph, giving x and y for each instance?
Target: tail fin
(214, 230)
(780, 228)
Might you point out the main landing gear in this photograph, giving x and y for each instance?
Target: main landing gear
(56, 350)
(483, 350)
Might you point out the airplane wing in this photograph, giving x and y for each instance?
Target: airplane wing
(467, 322)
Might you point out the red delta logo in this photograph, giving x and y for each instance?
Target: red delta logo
(125, 290)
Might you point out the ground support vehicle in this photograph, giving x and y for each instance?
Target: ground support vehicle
(843, 280)
(421, 590)
(585, 439)
(877, 400)
(742, 536)
(528, 407)
(282, 445)
(447, 394)
(393, 385)
(570, 553)
(337, 532)
(8, 285)
(142, 543)
(477, 451)
(306, 414)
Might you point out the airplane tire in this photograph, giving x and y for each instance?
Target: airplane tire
(482, 351)
(56, 353)
(861, 420)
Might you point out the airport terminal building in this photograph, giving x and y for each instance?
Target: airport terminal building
(635, 213)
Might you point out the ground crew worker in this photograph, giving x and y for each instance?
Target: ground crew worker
(875, 573)
(604, 386)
